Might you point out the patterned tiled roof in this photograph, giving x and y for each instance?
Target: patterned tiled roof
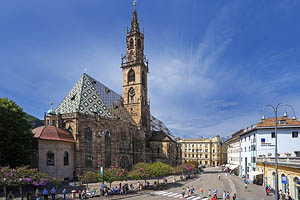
(89, 96)
(157, 125)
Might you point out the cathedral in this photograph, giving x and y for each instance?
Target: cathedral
(95, 127)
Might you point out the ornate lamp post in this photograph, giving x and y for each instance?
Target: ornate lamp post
(275, 109)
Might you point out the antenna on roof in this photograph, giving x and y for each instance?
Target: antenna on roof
(85, 70)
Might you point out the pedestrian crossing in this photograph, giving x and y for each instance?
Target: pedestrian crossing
(177, 195)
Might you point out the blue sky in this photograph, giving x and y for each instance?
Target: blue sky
(213, 64)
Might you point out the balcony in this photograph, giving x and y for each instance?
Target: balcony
(282, 161)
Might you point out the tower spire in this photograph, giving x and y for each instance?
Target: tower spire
(134, 22)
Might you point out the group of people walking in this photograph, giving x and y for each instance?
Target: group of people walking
(211, 194)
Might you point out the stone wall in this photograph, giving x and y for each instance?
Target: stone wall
(58, 148)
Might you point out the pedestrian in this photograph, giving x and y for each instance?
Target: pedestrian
(209, 194)
(192, 191)
(227, 195)
(245, 185)
(10, 196)
(224, 195)
(234, 196)
(219, 176)
(201, 192)
(53, 193)
(79, 194)
(183, 192)
(36, 192)
(188, 191)
(216, 193)
(280, 195)
(45, 194)
(64, 193)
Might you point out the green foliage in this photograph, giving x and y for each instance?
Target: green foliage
(114, 174)
(17, 142)
(192, 163)
(89, 177)
(140, 171)
(179, 169)
(159, 169)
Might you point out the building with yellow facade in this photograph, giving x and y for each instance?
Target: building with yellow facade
(205, 151)
(288, 174)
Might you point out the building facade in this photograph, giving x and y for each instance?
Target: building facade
(233, 152)
(110, 129)
(288, 174)
(205, 151)
(259, 141)
(56, 155)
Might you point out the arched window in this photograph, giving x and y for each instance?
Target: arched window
(144, 79)
(131, 43)
(88, 148)
(124, 163)
(107, 150)
(66, 158)
(139, 44)
(131, 94)
(131, 75)
(50, 158)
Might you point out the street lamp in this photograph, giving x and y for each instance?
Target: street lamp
(103, 134)
(275, 109)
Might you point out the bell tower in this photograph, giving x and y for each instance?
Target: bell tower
(135, 68)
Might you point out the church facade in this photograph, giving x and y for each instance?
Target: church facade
(114, 130)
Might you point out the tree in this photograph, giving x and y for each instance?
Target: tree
(140, 171)
(89, 177)
(179, 169)
(159, 169)
(21, 176)
(114, 174)
(17, 142)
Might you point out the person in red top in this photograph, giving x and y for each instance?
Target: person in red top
(79, 194)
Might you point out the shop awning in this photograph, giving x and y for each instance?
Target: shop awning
(232, 167)
(255, 173)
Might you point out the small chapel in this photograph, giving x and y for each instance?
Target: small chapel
(95, 127)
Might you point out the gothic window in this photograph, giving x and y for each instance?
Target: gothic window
(88, 148)
(131, 94)
(50, 158)
(144, 79)
(107, 150)
(131, 43)
(139, 44)
(124, 163)
(131, 75)
(66, 158)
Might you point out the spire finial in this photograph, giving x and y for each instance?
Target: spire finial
(134, 22)
(134, 3)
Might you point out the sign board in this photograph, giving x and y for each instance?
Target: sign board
(283, 180)
(264, 143)
(101, 171)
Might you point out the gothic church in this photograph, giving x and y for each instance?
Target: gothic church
(107, 129)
